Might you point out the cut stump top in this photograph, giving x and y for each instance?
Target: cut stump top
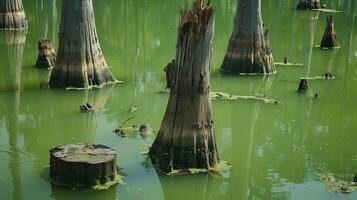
(84, 153)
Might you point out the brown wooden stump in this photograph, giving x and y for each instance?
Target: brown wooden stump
(249, 51)
(12, 15)
(186, 138)
(83, 166)
(303, 86)
(46, 54)
(80, 62)
(329, 39)
(308, 4)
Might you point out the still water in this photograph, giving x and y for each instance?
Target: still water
(276, 150)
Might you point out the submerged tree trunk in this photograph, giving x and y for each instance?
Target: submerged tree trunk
(80, 62)
(12, 15)
(249, 49)
(186, 138)
(308, 4)
(329, 39)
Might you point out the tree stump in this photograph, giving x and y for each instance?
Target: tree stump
(249, 50)
(308, 4)
(80, 62)
(329, 39)
(186, 138)
(83, 166)
(46, 54)
(303, 86)
(12, 15)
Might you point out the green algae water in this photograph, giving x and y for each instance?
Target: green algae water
(276, 150)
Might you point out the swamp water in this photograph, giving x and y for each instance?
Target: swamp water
(277, 151)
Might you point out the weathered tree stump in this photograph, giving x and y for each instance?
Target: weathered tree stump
(249, 50)
(80, 62)
(46, 54)
(303, 86)
(308, 4)
(186, 138)
(83, 166)
(329, 39)
(12, 15)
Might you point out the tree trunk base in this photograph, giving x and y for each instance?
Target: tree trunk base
(46, 54)
(12, 15)
(329, 40)
(308, 4)
(83, 166)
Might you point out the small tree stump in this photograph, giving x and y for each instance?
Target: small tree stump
(46, 54)
(303, 86)
(329, 39)
(308, 4)
(83, 166)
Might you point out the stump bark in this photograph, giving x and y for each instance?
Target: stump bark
(308, 4)
(249, 50)
(329, 39)
(80, 62)
(186, 138)
(46, 54)
(12, 15)
(83, 165)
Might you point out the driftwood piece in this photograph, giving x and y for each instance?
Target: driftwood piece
(308, 4)
(329, 39)
(249, 51)
(46, 54)
(256, 97)
(80, 62)
(186, 138)
(83, 166)
(12, 15)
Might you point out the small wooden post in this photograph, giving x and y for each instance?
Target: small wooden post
(83, 165)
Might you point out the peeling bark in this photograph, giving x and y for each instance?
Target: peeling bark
(80, 62)
(46, 54)
(82, 165)
(329, 39)
(249, 50)
(308, 4)
(186, 138)
(12, 15)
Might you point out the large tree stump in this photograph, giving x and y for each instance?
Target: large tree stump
(46, 54)
(308, 4)
(12, 15)
(329, 39)
(80, 62)
(249, 50)
(83, 165)
(186, 138)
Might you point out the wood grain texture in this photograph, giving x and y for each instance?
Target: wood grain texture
(12, 15)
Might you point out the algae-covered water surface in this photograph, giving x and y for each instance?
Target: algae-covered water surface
(276, 150)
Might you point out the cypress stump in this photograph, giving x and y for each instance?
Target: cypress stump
(12, 15)
(186, 138)
(83, 165)
(46, 54)
(80, 62)
(329, 39)
(308, 4)
(249, 50)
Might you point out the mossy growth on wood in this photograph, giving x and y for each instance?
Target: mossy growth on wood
(80, 62)
(12, 15)
(186, 138)
(83, 166)
(249, 51)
